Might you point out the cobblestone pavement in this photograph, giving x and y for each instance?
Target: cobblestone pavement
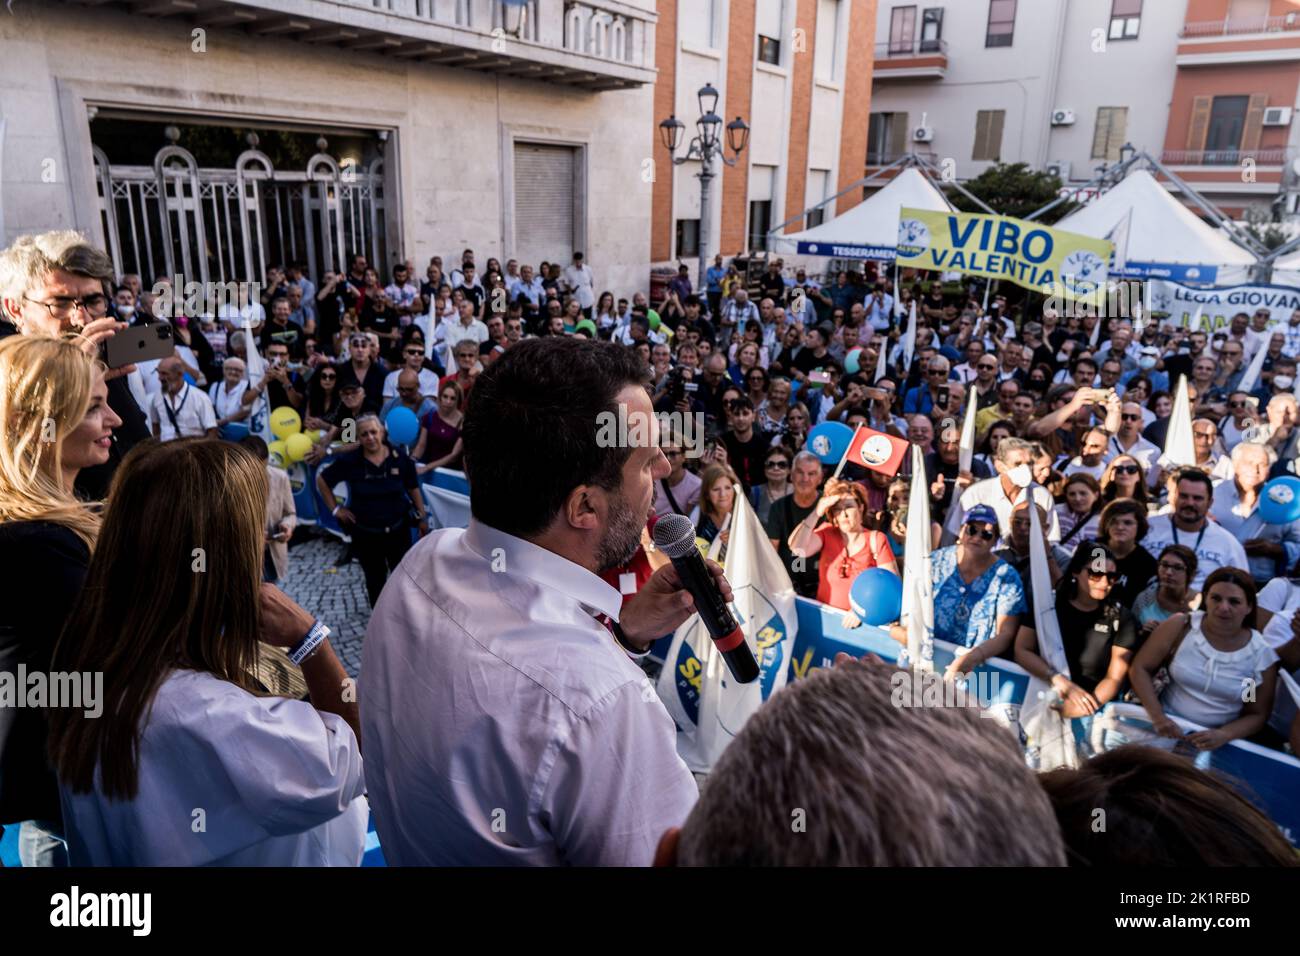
(336, 595)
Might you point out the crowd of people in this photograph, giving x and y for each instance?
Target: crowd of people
(1168, 584)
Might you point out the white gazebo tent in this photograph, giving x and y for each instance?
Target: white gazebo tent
(870, 229)
(1157, 237)
(1286, 270)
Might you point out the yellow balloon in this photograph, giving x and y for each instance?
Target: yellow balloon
(285, 422)
(278, 453)
(297, 446)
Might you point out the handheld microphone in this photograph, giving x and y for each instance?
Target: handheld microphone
(674, 535)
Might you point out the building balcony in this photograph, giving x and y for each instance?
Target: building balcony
(1232, 42)
(1240, 27)
(1225, 157)
(589, 44)
(915, 60)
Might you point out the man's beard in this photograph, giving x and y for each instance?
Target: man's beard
(622, 537)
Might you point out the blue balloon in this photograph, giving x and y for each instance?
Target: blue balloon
(829, 441)
(877, 596)
(403, 426)
(1279, 500)
(853, 361)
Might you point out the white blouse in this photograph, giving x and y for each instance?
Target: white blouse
(1206, 684)
(229, 779)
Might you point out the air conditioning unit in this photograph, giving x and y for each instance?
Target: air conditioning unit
(1277, 116)
(923, 134)
(1060, 168)
(1062, 117)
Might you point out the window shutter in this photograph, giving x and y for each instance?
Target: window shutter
(544, 200)
(996, 118)
(981, 135)
(1200, 124)
(1118, 131)
(1101, 132)
(900, 137)
(1254, 122)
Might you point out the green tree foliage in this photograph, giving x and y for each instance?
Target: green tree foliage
(1013, 189)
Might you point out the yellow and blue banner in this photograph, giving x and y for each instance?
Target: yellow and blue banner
(1051, 261)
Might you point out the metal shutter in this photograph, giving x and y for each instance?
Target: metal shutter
(545, 187)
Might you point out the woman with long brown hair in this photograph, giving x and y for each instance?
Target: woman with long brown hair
(190, 762)
(55, 420)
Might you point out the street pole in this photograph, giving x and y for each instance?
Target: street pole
(706, 220)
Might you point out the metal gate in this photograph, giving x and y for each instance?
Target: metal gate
(224, 225)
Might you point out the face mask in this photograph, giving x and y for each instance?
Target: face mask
(1021, 476)
(1217, 345)
(1147, 361)
(125, 310)
(1063, 356)
(1283, 382)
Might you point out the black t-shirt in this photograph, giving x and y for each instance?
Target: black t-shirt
(1088, 637)
(48, 560)
(1136, 571)
(277, 395)
(781, 522)
(289, 334)
(806, 361)
(377, 494)
(773, 287)
(373, 384)
(746, 458)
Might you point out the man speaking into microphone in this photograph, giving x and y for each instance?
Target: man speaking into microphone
(503, 722)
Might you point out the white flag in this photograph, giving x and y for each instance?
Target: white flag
(259, 419)
(909, 339)
(966, 451)
(1046, 730)
(917, 615)
(709, 707)
(1119, 236)
(882, 360)
(1179, 449)
(1250, 378)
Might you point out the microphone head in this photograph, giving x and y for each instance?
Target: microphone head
(674, 535)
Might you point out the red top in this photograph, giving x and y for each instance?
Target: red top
(838, 569)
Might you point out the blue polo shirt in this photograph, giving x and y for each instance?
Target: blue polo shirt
(377, 494)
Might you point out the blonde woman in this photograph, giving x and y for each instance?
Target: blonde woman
(56, 420)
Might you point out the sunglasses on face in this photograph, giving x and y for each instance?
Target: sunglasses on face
(327, 376)
(1131, 418)
(1126, 469)
(1237, 404)
(979, 531)
(1111, 576)
(778, 465)
(415, 351)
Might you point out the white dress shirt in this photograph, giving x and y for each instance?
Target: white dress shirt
(192, 408)
(428, 383)
(503, 724)
(1247, 525)
(278, 782)
(578, 280)
(989, 491)
(227, 401)
(1144, 452)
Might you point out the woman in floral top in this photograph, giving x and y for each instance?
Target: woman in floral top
(978, 598)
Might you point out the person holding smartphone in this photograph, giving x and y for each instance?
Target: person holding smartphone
(54, 283)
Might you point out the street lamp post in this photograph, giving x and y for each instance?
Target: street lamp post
(705, 146)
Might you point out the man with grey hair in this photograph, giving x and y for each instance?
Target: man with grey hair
(178, 409)
(1014, 459)
(866, 776)
(1272, 549)
(54, 283)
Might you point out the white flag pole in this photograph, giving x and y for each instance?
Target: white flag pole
(1179, 449)
(909, 339)
(917, 614)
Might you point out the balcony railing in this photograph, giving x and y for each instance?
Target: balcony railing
(1226, 27)
(1224, 157)
(912, 48)
(598, 44)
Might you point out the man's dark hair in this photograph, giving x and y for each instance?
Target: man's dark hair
(1196, 476)
(530, 433)
(257, 445)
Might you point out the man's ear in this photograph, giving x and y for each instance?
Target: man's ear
(580, 509)
(666, 851)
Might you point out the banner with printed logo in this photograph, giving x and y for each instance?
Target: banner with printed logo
(1051, 261)
(1212, 309)
(697, 689)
